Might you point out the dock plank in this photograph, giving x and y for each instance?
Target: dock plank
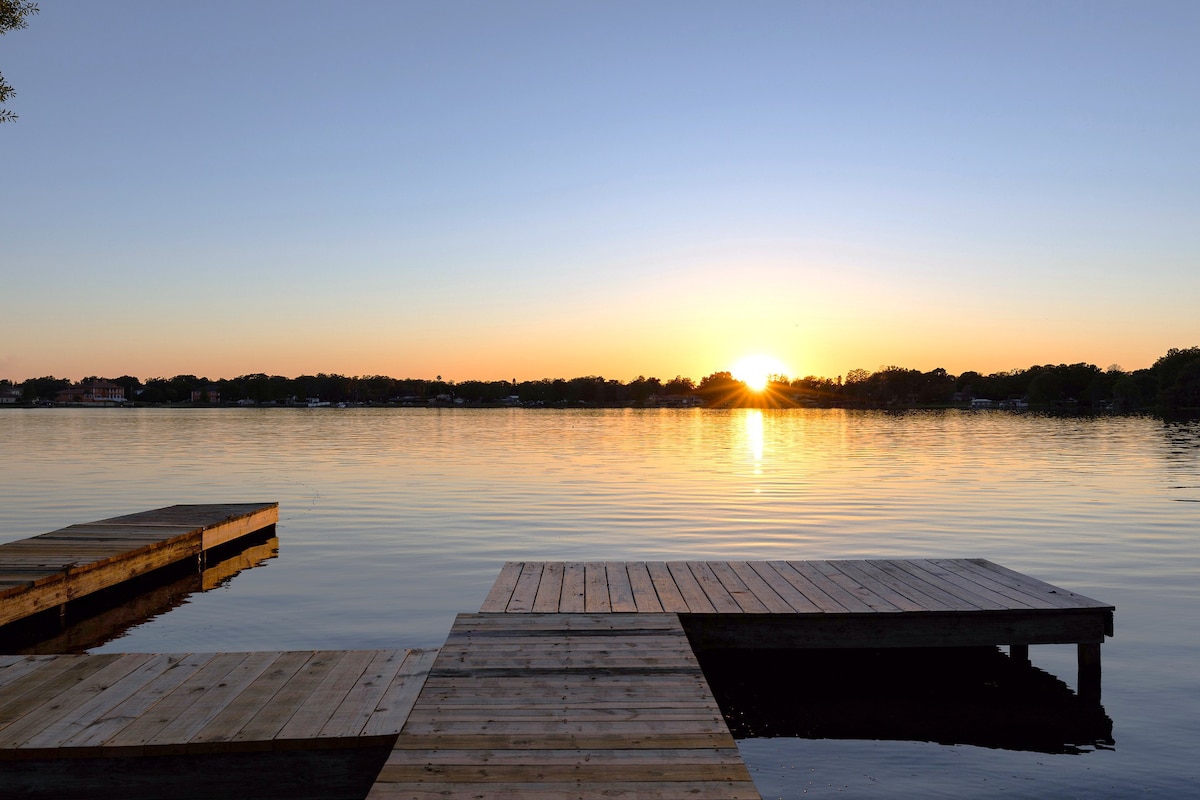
(748, 599)
(55, 676)
(315, 710)
(230, 720)
(1056, 595)
(952, 584)
(644, 596)
(106, 726)
(991, 582)
(549, 591)
(816, 573)
(526, 589)
(596, 597)
(50, 736)
(271, 719)
(809, 590)
(620, 588)
(208, 701)
(502, 589)
(397, 701)
(358, 706)
(176, 702)
(796, 602)
(720, 598)
(867, 591)
(573, 589)
(88, 680)
(920, 582)
(899, 593)
(691, 590)
(669, 595)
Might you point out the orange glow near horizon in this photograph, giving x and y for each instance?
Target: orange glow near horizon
(757, 370)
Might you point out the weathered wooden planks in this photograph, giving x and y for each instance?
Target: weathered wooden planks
(938, 602)
(47, 571)
(789, 588)
(565, 705)
(114, 706)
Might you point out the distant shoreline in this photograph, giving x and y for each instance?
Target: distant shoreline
(1062, 409)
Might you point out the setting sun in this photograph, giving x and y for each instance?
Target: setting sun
(756, 371)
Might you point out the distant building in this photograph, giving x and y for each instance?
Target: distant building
(207, 394)
(98, 392)
(103, 392)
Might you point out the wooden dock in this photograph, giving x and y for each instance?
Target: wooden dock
(202, 724)
(793, 604)
(48, 571)
(574, 679)
(574, 705)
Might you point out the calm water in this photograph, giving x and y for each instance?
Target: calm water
(393, 520)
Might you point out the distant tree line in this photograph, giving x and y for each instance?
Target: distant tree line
(1171, 384)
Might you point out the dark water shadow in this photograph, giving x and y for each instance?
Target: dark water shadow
(105, 615)
(975, 696)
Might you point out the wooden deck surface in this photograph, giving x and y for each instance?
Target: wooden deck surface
(576, 679)
(773, 587)
(46, 571)
(542, 706)
(144, 704)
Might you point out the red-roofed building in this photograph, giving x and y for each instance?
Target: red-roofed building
(98, 391)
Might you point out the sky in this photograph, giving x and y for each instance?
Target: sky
(520, 190)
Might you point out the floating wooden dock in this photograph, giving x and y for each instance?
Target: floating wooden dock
(565, 705)
(574, 679)
(580, 679)
(201, 724)
(942, 602)
(48, 571)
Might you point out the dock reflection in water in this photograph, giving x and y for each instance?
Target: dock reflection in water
(105, 615)
(972, 696)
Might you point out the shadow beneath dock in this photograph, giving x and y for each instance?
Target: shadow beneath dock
(105, 615)
(976, 696)
(341, 773)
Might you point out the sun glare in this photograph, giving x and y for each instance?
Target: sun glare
(756, 371)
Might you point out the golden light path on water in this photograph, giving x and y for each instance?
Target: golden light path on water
(755, 438)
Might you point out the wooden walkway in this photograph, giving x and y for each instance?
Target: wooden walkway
(941, 602)
(47, 571)
(66, 722)
(574, 680)
(561, 706)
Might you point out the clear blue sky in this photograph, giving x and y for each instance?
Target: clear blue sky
(533, 189)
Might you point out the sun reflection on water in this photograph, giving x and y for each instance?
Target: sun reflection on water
(754, 437)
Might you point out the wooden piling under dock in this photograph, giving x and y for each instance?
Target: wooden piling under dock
(47, 571)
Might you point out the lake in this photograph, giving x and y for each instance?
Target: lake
(393, 520)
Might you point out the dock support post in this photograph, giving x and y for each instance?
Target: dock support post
(1089, 671)
(1019, 653)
